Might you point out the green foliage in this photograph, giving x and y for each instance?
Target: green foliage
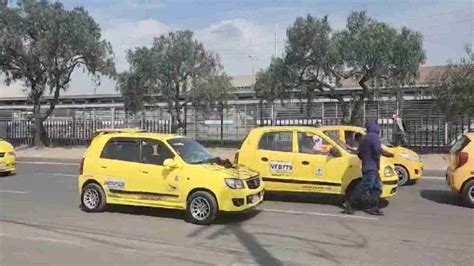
(178, 70)
(453, 86)
(370, 52)
(41, 44)
(270, 83)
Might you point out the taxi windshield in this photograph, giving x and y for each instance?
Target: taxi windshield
(191, 151)
(343, 145)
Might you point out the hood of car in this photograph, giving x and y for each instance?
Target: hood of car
(236, 171)
(5, 146)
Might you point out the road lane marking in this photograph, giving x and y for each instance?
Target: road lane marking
(57, 174)
(320, 214)
(50, 163)
(434, 177)
(13, 191)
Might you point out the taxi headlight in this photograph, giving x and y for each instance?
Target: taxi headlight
(388, 171)
(409, 157)
(234, 183)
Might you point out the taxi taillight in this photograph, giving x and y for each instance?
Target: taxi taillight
(236, 157)
(81, 167)
(463, 157)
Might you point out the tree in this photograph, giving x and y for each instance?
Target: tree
(41, 44)
(269, 84)
(370, 52)
(453, 86)
(170, 70)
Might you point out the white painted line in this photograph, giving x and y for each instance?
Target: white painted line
(320, 214)
(433, 178)
(55, 174)
(51, 163)
(13, 191)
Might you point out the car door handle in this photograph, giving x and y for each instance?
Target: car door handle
(144, 172)
(264, 159)
(305, 163)
(103, 166)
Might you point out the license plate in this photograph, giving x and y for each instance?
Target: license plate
(254, 198)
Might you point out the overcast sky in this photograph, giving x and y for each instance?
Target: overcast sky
(243, 32)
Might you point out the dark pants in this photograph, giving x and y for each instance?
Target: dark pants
(368, 190)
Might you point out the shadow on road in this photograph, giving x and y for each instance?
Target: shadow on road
(442, 197)
(323, 199)
(224, 218)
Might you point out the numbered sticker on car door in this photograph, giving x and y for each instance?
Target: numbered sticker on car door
(281, 167)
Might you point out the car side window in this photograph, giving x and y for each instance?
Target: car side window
(312, 144)
(154, 152)
(277, 141)
(121, 149)
(333, 134)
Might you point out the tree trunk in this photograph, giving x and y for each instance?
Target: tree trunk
(38, 124)
(222, 124)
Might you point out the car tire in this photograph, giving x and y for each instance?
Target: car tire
(468, 194)
(403, 175)
(93, 198)
(201, 208)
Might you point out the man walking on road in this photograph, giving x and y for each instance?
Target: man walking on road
(370, 150)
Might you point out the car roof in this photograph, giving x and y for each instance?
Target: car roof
(337, 127)
(283, 128)
(141, 134)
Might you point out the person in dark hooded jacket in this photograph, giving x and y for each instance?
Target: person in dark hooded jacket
(370, 188)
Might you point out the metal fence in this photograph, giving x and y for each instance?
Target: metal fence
(66, 132)
(429, 134)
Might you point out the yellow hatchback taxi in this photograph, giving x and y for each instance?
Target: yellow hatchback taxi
(304, 159)
(148, 169)
(408, 164)
(7, 157)
(460, 173)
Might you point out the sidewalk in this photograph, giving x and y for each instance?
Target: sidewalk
(432, 162)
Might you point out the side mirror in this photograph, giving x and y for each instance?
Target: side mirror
(170, 164)
(335, 152)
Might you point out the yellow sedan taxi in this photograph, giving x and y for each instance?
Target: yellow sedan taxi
(133, 167)
(304, 159)
(7, 157)
(408, 164)
(460, 173)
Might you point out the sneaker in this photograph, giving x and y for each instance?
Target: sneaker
(347, 208)
(375, 211)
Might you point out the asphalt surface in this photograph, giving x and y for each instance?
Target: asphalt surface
(41, 224)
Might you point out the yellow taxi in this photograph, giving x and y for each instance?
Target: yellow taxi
(460, 173)
(304, 159)
(133, 167)
(408, 164)
(7, 157)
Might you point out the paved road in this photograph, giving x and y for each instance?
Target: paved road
(40, 223)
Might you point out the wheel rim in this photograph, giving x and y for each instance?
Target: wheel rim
(471, 193)
(200, 208)
(402, 175)
(91, 198)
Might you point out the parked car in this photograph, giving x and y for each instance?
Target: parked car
(137, 168)
(304, 159)
(408, 164)
(460, 172)
(7, 157)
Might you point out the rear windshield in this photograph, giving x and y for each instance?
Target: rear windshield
(460, 144)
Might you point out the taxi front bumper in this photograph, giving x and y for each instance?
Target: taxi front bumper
(7, 164)
(241, 200)
(389, 188)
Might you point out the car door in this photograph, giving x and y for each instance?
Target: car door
(274, 159)
(119, 168)
(159, 184)
(317, 167)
